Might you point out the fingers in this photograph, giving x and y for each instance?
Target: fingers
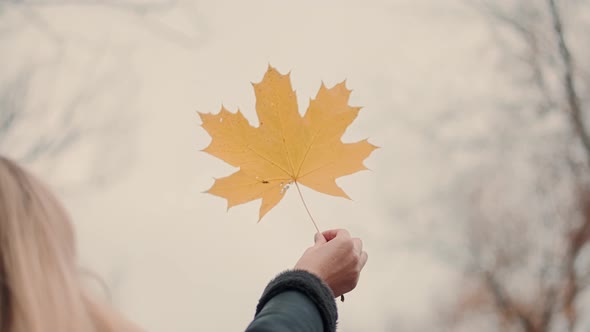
(358, 245)
(358, 248)
(363, 259)
(333, 233)
(319, 238)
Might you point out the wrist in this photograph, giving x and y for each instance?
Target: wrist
(310, 269)
(318, 273)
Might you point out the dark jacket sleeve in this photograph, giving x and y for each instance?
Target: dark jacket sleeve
(295, 301)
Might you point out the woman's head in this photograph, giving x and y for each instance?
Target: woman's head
(41, 287)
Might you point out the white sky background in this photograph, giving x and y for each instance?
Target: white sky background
(174, 258)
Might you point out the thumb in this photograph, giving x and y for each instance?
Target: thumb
(319, 239)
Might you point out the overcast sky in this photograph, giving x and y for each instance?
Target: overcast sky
(174, 258)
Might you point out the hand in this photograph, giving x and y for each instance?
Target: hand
(336, 258)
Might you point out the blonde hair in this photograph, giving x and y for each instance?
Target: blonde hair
(41, 284)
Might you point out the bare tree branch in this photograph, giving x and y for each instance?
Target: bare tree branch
(66, 126)
(573, 100)
(558, 201)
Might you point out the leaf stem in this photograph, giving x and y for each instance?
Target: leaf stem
(306, 209)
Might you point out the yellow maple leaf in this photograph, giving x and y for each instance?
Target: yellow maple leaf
(286, 147)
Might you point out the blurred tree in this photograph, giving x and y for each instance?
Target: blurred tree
(65, 94)
(527, 216)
